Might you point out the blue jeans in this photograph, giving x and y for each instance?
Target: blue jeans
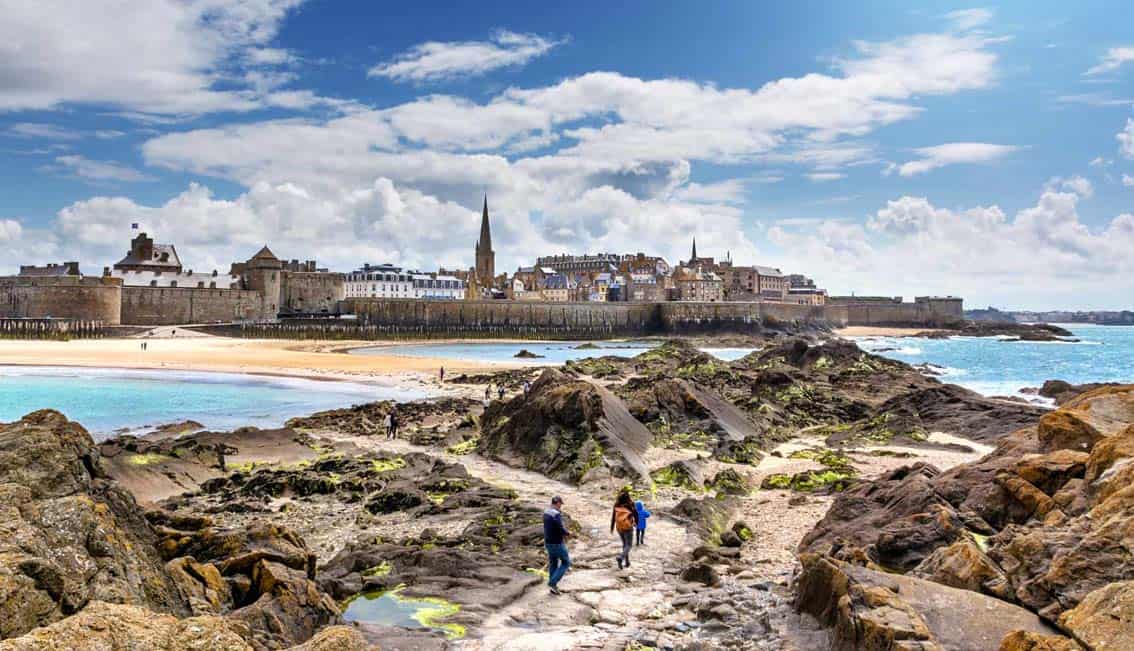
(557, 563)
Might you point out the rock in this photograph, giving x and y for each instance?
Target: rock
(1065, 430)
(1032, 641)
(527, 354)
(119, 627)
(1063, 392)
(69, 535)
(336, 638)
(687, 474)
(871, 610)
(567, 429)
(730, 539)
(731, 482)
(1105, 618)
(701, 573)
(963, 565)
(709, 517)
(289, 607)
(1050, 472)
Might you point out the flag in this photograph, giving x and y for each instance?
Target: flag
(134, 226)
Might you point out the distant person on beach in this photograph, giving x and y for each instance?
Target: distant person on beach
(442, 375)
(643, 515)
(624, 519)
(389, 423)
(500, 392)
(488, 393)
(554, 536)
(527, 388)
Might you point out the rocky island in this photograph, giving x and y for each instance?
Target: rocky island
(807, 496)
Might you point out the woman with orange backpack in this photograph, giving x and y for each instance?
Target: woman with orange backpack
(624, 518)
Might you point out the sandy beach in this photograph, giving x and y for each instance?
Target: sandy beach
(324, 360)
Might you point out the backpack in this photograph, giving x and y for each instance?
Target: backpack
(623, 519)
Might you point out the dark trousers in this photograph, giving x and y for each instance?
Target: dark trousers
(558, 561)
(627, 543)
(641, 536)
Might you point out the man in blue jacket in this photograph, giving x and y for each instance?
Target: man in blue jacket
(554, 534)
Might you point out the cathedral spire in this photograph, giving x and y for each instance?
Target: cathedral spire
(485, 242)
(693, 258)
(485, 256)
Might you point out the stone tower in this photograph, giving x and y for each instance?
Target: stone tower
(262, 273)
(485, 256)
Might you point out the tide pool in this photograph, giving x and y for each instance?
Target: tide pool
(994, 366)
(551, 352)
(110, 400)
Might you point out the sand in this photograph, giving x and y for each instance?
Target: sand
(322, 360)
(880, 331)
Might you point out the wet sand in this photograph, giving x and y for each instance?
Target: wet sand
(320, 360)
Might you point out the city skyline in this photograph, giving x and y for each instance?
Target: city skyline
(982, 151)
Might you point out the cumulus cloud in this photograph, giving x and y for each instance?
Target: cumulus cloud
(911, 246)
(1114, 59)
(1128, 180)
(820, 177)
(10, 230)
(953, 153)
(150, 56)
(434, 60)
(1126, 139)
(1077, 184)
(97, 170)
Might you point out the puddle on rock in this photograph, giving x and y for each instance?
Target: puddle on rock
(389, 608)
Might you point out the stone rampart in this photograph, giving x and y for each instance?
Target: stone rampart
(155, 306)
(61, 297)
(303, 292)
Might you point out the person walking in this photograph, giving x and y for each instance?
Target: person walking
(624, 518)
(488, 392)
(442, 375)
(643, 514)
(554, 541)
(394, 424)
(500, 392)
(527, 389)
(389, 423)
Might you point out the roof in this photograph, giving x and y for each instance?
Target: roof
(183, 279)
(263, 254)
(767, 271)
(165, 255)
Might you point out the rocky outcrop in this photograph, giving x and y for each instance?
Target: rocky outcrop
(568, 429)
(1062, 392)
(1043, 522)
(69, 535)
(80, 560)
(876, 611)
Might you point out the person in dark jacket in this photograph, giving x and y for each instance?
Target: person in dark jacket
(624, 518)
(554, 537)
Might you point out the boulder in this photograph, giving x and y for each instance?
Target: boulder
(701, 573)
(963, 565)
(567, 429)
(119, 627)
(69, 535)
(1032, 641)
(1105, 618)
(876, 611)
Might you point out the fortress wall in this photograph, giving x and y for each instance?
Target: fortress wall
(303, 292)
(61, 297)
(153, 306)
(686, 318)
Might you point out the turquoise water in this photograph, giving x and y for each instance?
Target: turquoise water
(392, 609)
(994, 366)
(108, 400)
(556, 352)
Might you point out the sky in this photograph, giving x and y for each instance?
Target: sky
(883, 148)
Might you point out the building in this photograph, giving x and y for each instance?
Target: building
(51, 269)
(485, 256)
(695, 261)
(144, 255)
(581, 264)
(799, 280)
(697, 285)
(389, 281)
(806, 296)
(557, 288)
(771, 284)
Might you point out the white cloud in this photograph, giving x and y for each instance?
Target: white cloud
(1044, 256)
(954, 153)
(730, 191)
(969, 18)
(108, 134)
(1126, 139)
(10, 230)
(96, 170)
(41, 130)
(1099, 161)
(434, 60)
(820, 177)
(1114, 59)
(149, 56)
(1128, 180)
(1077, 184)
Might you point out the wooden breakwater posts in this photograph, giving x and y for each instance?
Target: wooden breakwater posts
(58, 329)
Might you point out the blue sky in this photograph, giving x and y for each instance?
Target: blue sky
(980, 150)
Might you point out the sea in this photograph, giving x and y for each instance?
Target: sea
(110, 401)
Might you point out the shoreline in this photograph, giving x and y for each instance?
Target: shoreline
(880, 331)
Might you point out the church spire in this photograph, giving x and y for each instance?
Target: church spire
(485, 242)
(693, 258)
